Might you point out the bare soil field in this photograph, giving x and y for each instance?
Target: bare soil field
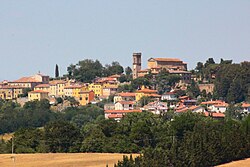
(241, 163)
(61, 160)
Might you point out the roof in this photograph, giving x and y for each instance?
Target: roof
(115, 76)
(166, 59)
(155, 67)
(121, 111)
(126, 94)
(73, 86)
(86, 91)
(212, 102)
(126, 102)
(178, 72)
(12, 87)
(245, 105)
(183, 97)
(155, 95)
(214, 114)
(141, 71)
(146, 90)
(115, 116)
(26, 80)
(38, 91)
(55, 82)
(42, 86)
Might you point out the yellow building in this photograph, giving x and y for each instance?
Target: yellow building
(43, 87)
(10, 92)
(97, 88)
(38, 95)
(109, 90)
(74, 90)
(57, 88)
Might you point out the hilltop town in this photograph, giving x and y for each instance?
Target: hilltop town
(166, 85)
(164, 112)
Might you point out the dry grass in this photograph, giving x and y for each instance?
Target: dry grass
(61, 160)
(6, 136)
(241, 163)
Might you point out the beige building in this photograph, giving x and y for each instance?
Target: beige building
(38, 95)
(30, 82)
(167, 63)
(57, 88)
(10, 92)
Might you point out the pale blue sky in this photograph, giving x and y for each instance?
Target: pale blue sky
(37, 34)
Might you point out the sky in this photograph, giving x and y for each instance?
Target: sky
(37, 35)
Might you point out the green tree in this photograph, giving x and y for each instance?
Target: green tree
(85, 70)
(61, 136)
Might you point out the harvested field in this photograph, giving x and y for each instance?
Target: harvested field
(240, 163)
(61, 160)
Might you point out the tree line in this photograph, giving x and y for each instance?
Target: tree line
(187, 139)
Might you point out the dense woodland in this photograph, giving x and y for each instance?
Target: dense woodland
(185, 139)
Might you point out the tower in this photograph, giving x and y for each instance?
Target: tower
(136, 64)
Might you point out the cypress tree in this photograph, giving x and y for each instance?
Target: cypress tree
(57, 71)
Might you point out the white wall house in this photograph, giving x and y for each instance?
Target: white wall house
(169, 96)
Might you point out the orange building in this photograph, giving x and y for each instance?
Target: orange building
(86, 97)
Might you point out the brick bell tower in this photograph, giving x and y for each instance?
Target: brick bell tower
(136, 64)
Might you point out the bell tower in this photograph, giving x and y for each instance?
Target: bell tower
(136, 64)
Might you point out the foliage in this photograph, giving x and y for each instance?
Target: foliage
(56, 71)
(85, 70)
(60, 136)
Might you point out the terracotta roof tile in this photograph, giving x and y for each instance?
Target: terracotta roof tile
(121, 111)
(126, 94)
(146, 90)
(39, 91)
(245, 105)
(42, 86)
(167, 59)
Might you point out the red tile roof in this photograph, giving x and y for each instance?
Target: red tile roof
(179, 72)
(115, 116)
(73, 87)
(42, 86)
(12, 87)
(121, 111)
(25, 80)
(39, 91)
(245, 105)
(146, 90)
(213, 102)
(55, 82)
(183, 97)
(167, 59)
(126, 94)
